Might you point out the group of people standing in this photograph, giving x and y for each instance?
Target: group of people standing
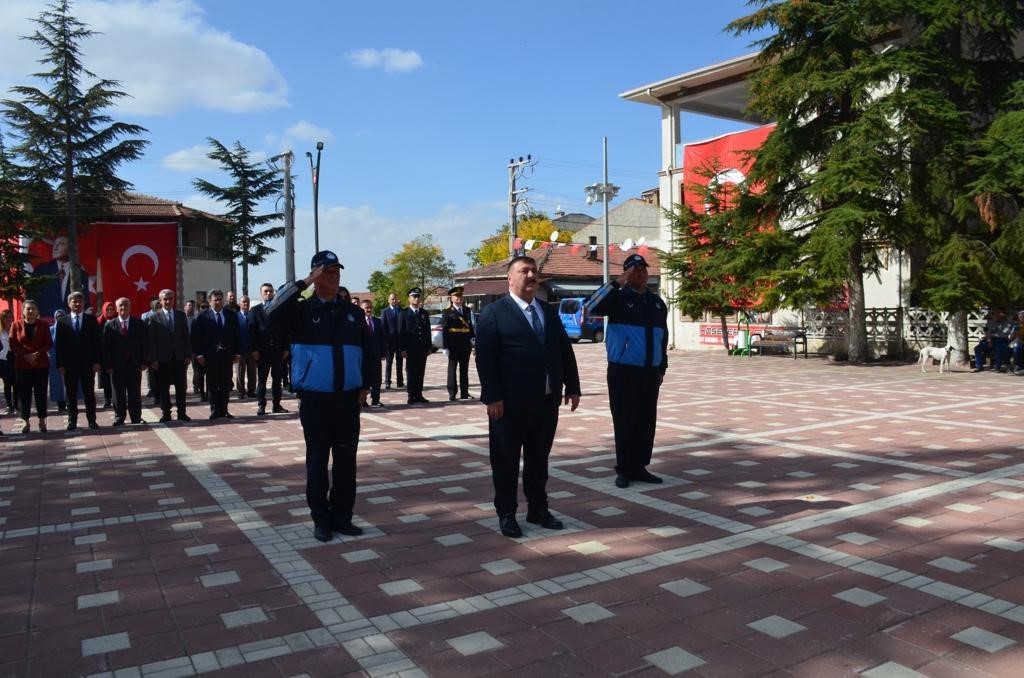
(120, 347)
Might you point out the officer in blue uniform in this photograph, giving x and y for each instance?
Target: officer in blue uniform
(636, 342)
(329, 342)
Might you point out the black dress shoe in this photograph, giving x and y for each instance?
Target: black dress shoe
(164, 419)
(544, 519)
(214, 415)
(261, 411)
(509, 526)
(118, 422)
(184, 417)
(279, 410)
(228, 415)
(93, 425)
(451, 398)
(412, 401)
(71, 427)
(322, 533)
(421, 399)
(645, 476)
(138, 421)
(621, 481)
(465, 396)
(346, 528)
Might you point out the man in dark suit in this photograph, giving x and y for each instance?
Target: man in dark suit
(378, 349)
(389, 318)
(524, 358)
(170, 352)
(245, 369)
(270, 348)
(457, 335)
(124, 351)
(414, 339)
(215, 343)
(79, 354)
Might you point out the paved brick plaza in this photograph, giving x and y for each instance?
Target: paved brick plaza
(816, 520)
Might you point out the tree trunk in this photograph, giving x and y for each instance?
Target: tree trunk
(856, 329)
(725, 332)
(245, 277)
(956, 336)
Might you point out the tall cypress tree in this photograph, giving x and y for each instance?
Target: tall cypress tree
(68, 147)
(252, 185)
(13, 277)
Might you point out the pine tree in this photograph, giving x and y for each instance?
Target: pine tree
(828, 167)
(13, 276)
(252, 185)
(69, 148)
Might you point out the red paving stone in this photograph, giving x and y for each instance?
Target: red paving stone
(207, 523)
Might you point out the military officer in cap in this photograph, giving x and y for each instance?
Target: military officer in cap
(329, 347)
(457, 336)
(636, 343)
(414, 340)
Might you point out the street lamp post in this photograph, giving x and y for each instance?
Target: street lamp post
(315, 172)
(603, 192)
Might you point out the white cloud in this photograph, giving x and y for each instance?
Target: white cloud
(192, 159)
(162, 52)
(307, 131)
(390, 59)
(301, 136)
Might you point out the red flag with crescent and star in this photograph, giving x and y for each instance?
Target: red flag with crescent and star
(136, 261)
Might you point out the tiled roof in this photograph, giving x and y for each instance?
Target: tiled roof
(138, 205)
(565, 261)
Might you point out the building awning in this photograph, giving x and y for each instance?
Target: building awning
(485, 288)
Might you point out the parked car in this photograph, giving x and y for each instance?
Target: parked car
(436, 332)
(577, 323)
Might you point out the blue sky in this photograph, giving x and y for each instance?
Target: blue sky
(420, 104)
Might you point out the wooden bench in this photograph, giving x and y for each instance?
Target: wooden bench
(787, 340)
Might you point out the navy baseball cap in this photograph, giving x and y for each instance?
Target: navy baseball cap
(326, 258)
(633, 260)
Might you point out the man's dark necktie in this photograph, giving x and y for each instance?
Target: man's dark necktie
(535, 321)
(77, 325)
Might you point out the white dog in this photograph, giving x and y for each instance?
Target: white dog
(929, 353)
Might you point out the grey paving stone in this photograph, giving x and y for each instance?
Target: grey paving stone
(97, 538)
(499, 567)
(756, 511)
(765, 564)
(608, 511)
(856, 538)
(674, 660)
(244, 617)
(94, 566)
(951, 564)
(474, 643)
(401, 587)
(219, 579)
(892, 670)
(587, 613)
(98, 599)
(859, 597)
(983, 640)
(684, 587)
(453, 539)
(666, 531)
(203, 550)
(105, 644)
(360, 556)
(776, 626)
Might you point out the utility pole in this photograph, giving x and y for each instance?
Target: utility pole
(515, 170)
(289, 214)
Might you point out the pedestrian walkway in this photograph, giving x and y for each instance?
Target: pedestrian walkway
(816, 520)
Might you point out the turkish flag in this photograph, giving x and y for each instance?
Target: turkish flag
(728, 156)
(136, 261)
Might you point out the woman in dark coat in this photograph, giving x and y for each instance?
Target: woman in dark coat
(30, 341)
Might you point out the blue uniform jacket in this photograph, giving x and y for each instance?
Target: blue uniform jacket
(328, 341)
(637, 325)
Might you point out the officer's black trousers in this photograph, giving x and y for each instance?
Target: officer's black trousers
(272, 363)
(330, 425)
(394, 356)
(415, 365)
(460, 360)
(633, 397)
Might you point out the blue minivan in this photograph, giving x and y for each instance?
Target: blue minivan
(578, 325)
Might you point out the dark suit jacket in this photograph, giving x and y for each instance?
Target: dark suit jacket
(79, 353)
(512, 363)
(267, 337)
(414, 330)
(121, 351)
(389, 318)
(166, 344)
(378, 340)
(209, 339)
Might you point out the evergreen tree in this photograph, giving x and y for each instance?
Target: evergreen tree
(252, 185)
(68, 146)
(13, 276)
(828, 167)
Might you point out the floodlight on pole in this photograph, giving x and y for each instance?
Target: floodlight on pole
(315, 172)
(603, 192)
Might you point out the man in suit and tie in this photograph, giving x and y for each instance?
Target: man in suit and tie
(170, 352)
(245, 369)
(378, 350)
(414, 339)
(524, 358)
(215, 343)
(270, 348)
(124, 351)
(79, 354)
(389, 318)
